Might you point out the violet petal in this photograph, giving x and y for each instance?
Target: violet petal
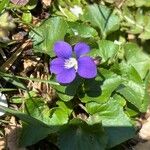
(86, 67)
(81, 49)
(66, 76)
(57, 65)
(62, 49)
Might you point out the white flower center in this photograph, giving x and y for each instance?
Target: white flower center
(71, 62)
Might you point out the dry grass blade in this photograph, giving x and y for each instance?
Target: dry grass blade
(14, 56)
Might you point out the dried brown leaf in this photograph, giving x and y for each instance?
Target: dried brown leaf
(2, 143)
(47, 2)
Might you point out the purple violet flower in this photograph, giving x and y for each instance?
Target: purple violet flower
(65, 66)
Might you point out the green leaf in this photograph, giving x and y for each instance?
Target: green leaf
(27, 17)
(63, 94)
(137, 58)
(78, 135)
(100, 90)
(133, 87)
(75, 39)
(146, 98)
(115, 122)
(138, 3)
(131, 111)
(68, 14)
(82, 30)
(130, 73)
(137, 22)
(133, 21)
(102, 17)
(133, 92)
(59, 116)
(66, 106)
(50, 31)
(110, 1)
(3, 5)
(107, 50)
(24, 117)
(121, 100)
(32, 126)
(67, 92)
(35, 107)
(35, 132)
